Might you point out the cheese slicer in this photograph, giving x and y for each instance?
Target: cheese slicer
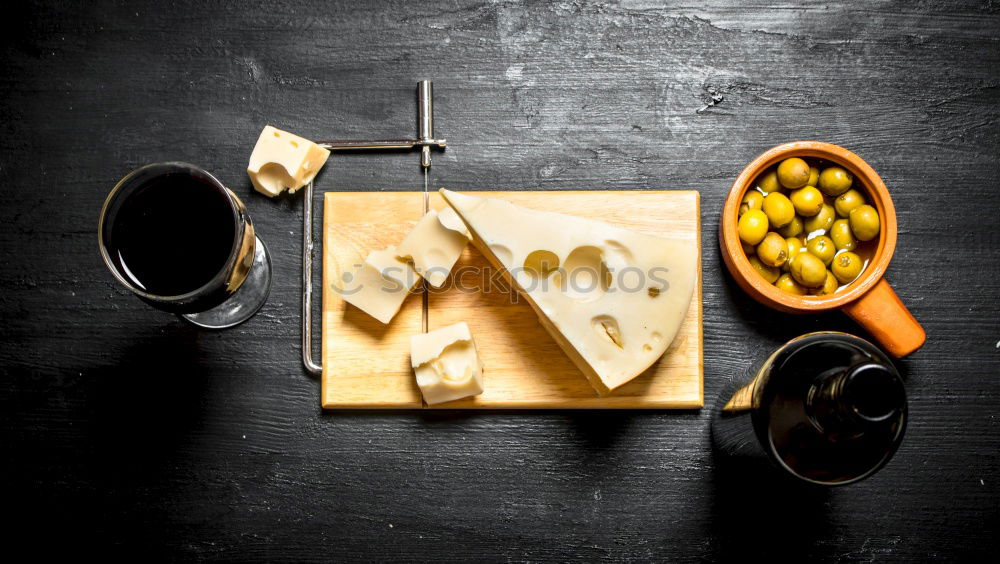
(425, 141)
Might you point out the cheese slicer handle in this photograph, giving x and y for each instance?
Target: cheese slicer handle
(882, 314)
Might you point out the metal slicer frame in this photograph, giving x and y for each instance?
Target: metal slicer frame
(425, 141)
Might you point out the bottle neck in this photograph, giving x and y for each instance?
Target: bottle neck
(852, 400)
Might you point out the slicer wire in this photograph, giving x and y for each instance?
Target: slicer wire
(425, 141)
(425, 295)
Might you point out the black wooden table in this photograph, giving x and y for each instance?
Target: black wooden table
(125, 430)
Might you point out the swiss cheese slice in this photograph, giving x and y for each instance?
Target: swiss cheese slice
(613, 299)
(379, 285)
(434, 245)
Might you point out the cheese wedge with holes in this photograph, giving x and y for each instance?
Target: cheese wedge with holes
(613, 299)
(434, 245)
(282, 160)
(379, 285)
(446, 364)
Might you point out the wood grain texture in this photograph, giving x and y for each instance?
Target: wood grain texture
(366, 364)
(236, 461)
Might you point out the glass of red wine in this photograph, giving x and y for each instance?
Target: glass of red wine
(182, 242)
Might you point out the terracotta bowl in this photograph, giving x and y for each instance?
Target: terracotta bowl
(869, 300)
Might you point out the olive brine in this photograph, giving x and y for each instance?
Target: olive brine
(807, 228)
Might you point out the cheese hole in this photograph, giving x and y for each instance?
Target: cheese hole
(657, 337)
(586, 276)
(294, 144)
(274, 177)
(607, 327)
(618, 254)
(276, 134)
(646, 348)
(503, 254)
(541, 263)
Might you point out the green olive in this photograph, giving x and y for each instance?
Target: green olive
(769, 273)
(807, 201)
(847, 202)
(751, 201)
(752, 227)
(786, 283)
(773, 251)
(808, 270)
(778, 208)
(822, 247)
(864, 222)
(793, 229)
(835, 180)
(829, 286)
(821, 222)
(842, 237)
(793, 173)
(813, 176)
(794, 248)
(846, 266)
(768, 182)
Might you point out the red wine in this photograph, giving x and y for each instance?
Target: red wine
(826, 408)
(177, 238)
(174, 234)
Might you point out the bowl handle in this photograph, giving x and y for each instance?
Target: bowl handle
(884, 316)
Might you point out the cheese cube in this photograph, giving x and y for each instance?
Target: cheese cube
(282, 160)
(446, 364)
(434, 245)
(379, 285)
(392, 268)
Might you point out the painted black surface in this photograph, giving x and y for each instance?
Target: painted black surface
(125, 430)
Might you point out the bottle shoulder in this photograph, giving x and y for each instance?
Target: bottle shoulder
(785, 417)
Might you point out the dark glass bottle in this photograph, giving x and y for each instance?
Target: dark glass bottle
(826, 408)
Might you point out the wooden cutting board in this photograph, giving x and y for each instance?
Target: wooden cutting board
(367, 364)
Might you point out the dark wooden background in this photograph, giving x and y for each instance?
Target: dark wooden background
(126, 431)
